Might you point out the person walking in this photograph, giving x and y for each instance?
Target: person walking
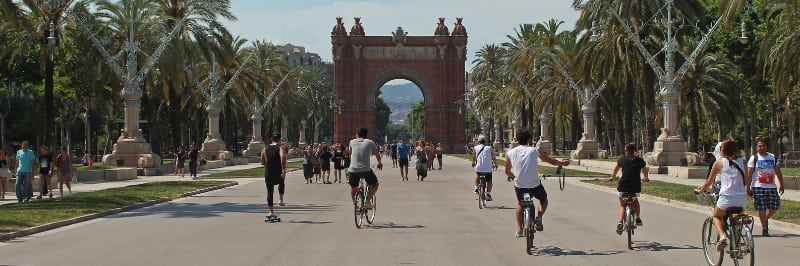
(325, 163)
(25, 161)
(317, 164)
(393, 150)
(422, 161)
(763, 169)
(194, 154)
(45, 162)
(360, 149)
(180, 160)
(630, 182)
(308, 163)
(439, 152)
(402, 158)
(522, 167)
(5, 172)
(64, 164)
(273, 158)
(338, 163)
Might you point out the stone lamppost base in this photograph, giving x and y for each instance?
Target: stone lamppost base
(134, 154)
(588, 149)
(254, 148)
(545, 146)
(214, 149)
(671, 153)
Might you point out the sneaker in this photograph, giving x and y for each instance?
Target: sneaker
(537, 224)
(488, 196)
(475, 190)
(519, 234)
(721, 244)
(639, 222)
(281, 203)
(619, 228)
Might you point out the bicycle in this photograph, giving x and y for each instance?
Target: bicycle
(481, 190)
(528, 210)
(562, 177)
(738, 228)
(360, 211)
(628, 220)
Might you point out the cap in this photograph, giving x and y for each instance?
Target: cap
(276, 134)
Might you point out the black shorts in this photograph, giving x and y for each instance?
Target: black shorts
(326, 166)
(370, 177)
(403, 162)
(537, 192)
(488, 176)
(438, 156)
(394, 157)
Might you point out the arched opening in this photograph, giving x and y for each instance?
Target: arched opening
(406, 112)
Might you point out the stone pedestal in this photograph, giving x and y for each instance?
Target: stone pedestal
(132, 153)
(671, 153)
(214, 147)
(256, 144)
(545, 146)
(588, 149)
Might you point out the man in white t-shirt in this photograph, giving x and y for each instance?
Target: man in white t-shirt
(484, 161)
(523, 168)
(764, 168)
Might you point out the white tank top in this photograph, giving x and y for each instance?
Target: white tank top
(732, 182)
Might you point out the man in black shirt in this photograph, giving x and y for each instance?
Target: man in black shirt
(193, 155)
(630, 182)
(45, 171)
(273, 159)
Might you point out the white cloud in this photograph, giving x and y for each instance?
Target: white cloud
(486, 21)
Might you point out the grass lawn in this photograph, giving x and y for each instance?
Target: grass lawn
(258, 171)
(790, 171)
(543, 169)
(789, 211)
(95, 166)
(14, 217)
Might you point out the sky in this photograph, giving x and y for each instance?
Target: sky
(308, 23)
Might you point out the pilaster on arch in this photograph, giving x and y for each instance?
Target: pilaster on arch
(400, 72)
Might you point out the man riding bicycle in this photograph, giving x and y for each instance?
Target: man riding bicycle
(360, 149)
(630, 182)
(523, 168)
(483, 160)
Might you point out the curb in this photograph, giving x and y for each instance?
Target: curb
(79, 219)
(236, 177)
(780, 225)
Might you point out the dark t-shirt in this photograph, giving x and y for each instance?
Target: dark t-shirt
(180, 157)
(631, 168)
(193, 155)
(45, 163)
(325, 157)
(273, 167)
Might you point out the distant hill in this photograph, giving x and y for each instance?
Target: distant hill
(400, 97)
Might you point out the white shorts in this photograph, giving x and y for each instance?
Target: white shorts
(725, 202)
(622, 194)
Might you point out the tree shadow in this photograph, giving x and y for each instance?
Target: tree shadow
(393, 226)
(773, 235)
(503, 207)
(194, 210)
(557, 251)
(308, 222)
(656, 246)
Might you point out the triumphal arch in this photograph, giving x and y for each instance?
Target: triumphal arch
(436, 64)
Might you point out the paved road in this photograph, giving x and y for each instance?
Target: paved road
(434, 222)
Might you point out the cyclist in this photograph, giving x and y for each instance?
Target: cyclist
(483, 160)
(631, 164)
(523, 168)
(360, 148)
(733, 189)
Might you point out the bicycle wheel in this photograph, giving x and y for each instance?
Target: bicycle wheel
(562, 178)
(527, 230)
(482, 193)
(710, 237)
(746, 248)
(629, 225)
(370, 213)
(357, 209)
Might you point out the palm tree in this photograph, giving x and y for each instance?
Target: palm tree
(710, 89)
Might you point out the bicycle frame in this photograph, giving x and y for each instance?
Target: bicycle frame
(482, 187)
(528, 210)
(628, 218)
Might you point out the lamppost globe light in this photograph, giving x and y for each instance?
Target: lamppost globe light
(52, 38)
(594, 35)
(744, 39)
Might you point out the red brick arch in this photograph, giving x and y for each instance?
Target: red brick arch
(436, 64)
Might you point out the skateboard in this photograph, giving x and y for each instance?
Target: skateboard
(272, 218)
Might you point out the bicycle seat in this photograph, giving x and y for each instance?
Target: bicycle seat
(732, 210)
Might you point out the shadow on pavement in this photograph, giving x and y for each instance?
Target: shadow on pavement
(394, 226)
(308, 222)
(773, 235)
(194, 210)
(655, 246)
(556, 251)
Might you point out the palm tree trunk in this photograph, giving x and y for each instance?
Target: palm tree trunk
(49, 118)
(627, 120)
(693, 122)
(175, 116)
(649, 100)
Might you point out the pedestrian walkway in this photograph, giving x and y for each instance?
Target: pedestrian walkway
(789, 194)
(101, 185)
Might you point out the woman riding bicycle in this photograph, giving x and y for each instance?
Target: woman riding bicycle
(631, 164)
(733, 192)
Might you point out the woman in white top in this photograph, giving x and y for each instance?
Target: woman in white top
(733, 192)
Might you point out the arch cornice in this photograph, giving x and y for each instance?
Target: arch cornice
(400, 72)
